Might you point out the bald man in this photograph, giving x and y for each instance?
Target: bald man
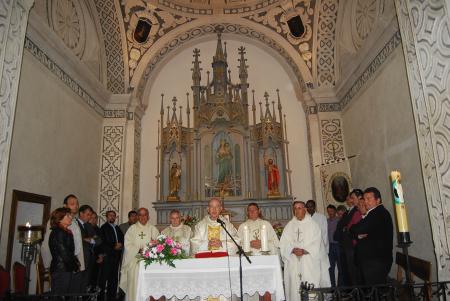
(137, 236)
(209, 235)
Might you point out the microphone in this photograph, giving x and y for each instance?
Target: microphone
(220, 221)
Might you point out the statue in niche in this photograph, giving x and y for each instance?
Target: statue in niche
(174, 182)
(224, 161)
(273, 179)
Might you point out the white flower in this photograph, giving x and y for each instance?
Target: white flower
(161, 255)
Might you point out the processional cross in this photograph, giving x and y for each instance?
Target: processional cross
(142, 235)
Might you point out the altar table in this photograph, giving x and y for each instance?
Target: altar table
(204, 277)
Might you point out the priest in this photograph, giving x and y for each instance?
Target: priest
(301, 251)
(178, 231)
(209, 235)
(254, 224)
(137, 236)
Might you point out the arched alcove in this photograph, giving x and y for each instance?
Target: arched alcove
(266, 73)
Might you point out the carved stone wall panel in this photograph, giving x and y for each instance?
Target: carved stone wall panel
(137, 159)
(332, 140)
(113, 45)
(324, 74)
(67, 20)
(111, 169)
(13, 23)
(424, 27)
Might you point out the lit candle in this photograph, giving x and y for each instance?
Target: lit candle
(246, 241)
(400, 208)
(264, 243)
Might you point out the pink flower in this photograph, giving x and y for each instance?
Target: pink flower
(159, 248)
(147, 254)
(169, 241)
(173, 251)
(178, 245)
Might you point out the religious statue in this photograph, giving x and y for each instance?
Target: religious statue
(224, 160)
(273, 179)
(174, 182)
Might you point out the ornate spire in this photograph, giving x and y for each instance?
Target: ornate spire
(161, 112)
(220, 55)
(196, 70)
(268, 114)
(243, 74)
(254, 108)
(188, 111)
(174, 110)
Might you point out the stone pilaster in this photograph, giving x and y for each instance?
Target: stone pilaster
(13, 24)
(132, 161)
(112, 162)
(425, 32)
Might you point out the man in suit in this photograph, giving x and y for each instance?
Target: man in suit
(375, 240)
(87, 234)
(343, 237)
(112, 239)
(98, 252)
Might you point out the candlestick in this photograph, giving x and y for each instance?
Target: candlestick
(246, 241)
(400, 208)
(264, 243)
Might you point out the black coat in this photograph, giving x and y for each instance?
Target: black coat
(62, 248)
(87, 231)
(341, 235)
(109, 240)
(379, 241)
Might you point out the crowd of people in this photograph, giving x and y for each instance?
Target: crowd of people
(355, 242)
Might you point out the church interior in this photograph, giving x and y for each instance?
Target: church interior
(164, 104)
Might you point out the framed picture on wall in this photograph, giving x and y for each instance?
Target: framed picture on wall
(25, 207)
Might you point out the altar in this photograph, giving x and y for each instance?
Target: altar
(201, 278)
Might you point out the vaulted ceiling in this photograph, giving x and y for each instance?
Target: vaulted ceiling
(333, 30)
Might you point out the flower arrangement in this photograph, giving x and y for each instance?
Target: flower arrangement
(278, 229)
(190, 221)
(163, 250)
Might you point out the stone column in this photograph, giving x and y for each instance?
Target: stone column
(130, 199)
(425, 32)
(13, 24)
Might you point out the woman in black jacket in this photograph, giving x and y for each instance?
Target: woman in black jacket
(64, 262)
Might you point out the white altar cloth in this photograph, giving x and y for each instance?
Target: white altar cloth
(205, 277)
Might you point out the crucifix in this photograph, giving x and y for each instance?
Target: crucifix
(298, 235)
(142, 235)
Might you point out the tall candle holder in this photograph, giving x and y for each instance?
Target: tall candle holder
(403, 239)
(30, 237)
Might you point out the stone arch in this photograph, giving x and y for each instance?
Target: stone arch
(191, 32)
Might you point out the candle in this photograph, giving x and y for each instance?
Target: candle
(400, 208)
(246, 241)
(264, 243)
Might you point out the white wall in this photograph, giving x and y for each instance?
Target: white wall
(379, 126)
(55, 145)
(265, 74)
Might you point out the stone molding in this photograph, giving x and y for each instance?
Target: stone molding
(425, 32)
(63, 76)
(13, 24)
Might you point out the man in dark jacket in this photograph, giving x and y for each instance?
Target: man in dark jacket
(375, 240)
(87, 234)
(112, 239)
(343, 237)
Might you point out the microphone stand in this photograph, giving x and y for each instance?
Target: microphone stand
(240, 252)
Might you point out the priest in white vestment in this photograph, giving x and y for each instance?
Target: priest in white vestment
(321, 220)
(254, 224)
(209, 235)
(137, 236)
(178, 231)
(301, 250)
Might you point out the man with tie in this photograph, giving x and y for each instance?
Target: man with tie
(112, 245)
(87, 234)
(345, 240)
